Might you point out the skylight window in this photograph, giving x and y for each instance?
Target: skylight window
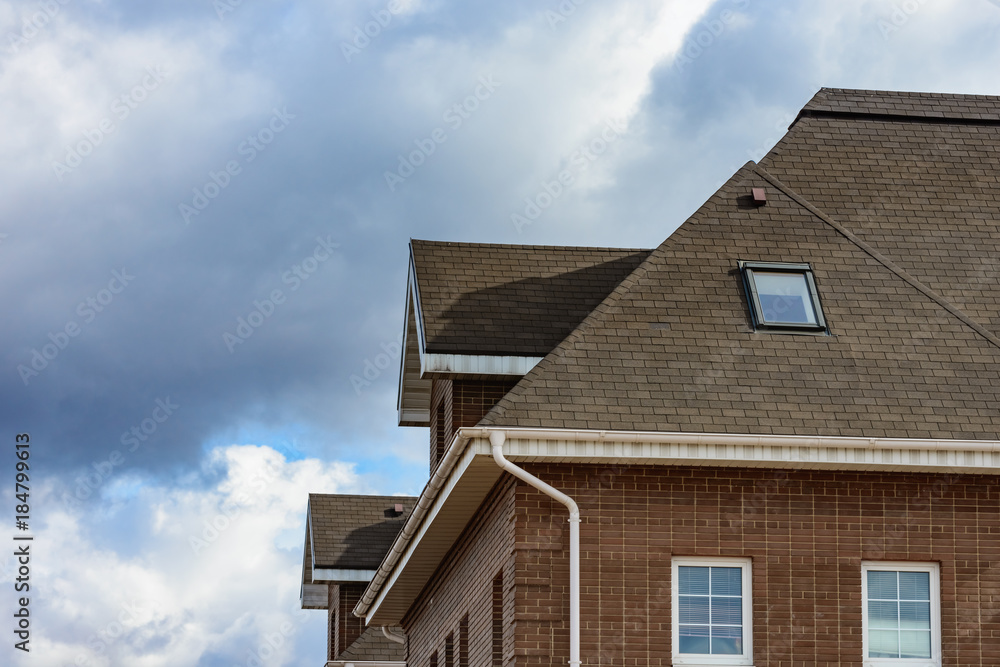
(783, 296)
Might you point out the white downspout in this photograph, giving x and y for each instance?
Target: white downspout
(389, 634)
(497, 438)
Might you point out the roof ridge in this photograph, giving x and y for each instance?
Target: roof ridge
(362, 495)
(616, 294)
(561, 248)
(902, 106)
(879, 257)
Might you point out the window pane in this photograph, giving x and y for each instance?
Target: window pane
(883, 615)
(784, 297)
(727, 611)
(692, 580)
(693, 609)
(693, 639)
(882, 585)
(914, 644)
(727, 581)
(883, 644)
(727, 641)
(914, 586)
(914, 615)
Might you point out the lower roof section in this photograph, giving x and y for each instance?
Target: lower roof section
(468, 472)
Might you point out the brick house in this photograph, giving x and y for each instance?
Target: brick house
(347, 536)
(775, 437)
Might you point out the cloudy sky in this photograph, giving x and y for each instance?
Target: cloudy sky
(203, 240)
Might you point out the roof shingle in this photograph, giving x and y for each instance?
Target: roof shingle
(350, 532)
(494, 299)
(672, 348)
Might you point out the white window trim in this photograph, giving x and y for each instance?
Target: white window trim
(935, 582)
(693, 660)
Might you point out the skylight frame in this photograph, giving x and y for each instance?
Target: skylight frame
(760, 322)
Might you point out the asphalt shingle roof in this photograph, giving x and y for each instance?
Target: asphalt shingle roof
(927, 195)
(923, 106)
(372, 646)
(898, 219)
(493, 299)
(352, 532)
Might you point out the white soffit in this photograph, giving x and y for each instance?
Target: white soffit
(315, 596)
(457, 502)
(413, 402)
(476, 364)
(341, 576)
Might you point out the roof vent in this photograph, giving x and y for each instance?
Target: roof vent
(394, 511)
(759, 196)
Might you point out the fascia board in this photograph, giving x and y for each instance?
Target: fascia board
(334, 576)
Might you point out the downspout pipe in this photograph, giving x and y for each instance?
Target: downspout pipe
(497, 439)
(389, 634)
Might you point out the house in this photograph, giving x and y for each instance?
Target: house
(773, 440)
(347, 536)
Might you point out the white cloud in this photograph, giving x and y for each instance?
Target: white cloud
(190, 572)
(58, 86)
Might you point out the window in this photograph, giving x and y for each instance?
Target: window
(497, 625)
(901, 614)
(449, 651)
(711, 611)
(782, 296)
(463, 642)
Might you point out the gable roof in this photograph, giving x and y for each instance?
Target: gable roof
(492, 309)
(347, 536)
(479, 298)
(353, 532)
(898, 242)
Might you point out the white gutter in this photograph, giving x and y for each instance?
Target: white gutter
(497, 439)
(656, 437)
(464, 435)
(389, 634)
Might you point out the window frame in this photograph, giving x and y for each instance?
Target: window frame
(934, 570)
(760, 323)
(702, 659)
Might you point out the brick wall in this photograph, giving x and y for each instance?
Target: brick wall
(333, 604)
(805, 531)
(474, 398)
(463, 587)
(344, 627)
(441, 420)
(458, 403)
